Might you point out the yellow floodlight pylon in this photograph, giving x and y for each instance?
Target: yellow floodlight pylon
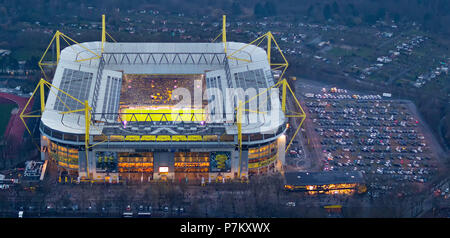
(70, 42)
(41, 85)
(105, 33)
(285, 88)
(270, 38)
(86, 109)
(87, 121)
(239, 128)
(57, 39)
(300, 114)
(223, 33)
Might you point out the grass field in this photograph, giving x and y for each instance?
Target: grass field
(163, 114)
(5, 112)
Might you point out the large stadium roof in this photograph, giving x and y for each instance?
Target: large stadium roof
(99, 80)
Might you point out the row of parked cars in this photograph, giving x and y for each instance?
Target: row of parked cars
(377, 136)
(347, 96)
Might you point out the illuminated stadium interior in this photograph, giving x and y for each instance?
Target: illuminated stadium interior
(142, 94)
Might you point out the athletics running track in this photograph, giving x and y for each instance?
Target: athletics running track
(15, 130)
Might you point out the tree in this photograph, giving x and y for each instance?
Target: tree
(271, 8)
(259, 10)
(427, 19)
(310, 11)
(268, 9)
(327, 12)
(370, 19)
(236, 9)
(395, 16)
(335, 8)
(352, 9)
(381, 13)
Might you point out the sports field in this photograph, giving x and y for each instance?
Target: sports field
(162, 114)
(5, 112)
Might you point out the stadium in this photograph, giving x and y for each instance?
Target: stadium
(163, 111)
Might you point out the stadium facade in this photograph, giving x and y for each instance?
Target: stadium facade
(164, 111)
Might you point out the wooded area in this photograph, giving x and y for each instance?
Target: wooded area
(432, 14)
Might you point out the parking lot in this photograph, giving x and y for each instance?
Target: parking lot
(373, 134)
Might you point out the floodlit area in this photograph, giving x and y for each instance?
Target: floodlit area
(161, 114)
(150, 98)
(152, 90)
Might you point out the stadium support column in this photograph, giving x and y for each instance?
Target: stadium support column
(269, 45)
(281, 161)
(239, 130)
(224, 33)
(244, 164)
(87, 120)
(239, 167)
(44, 144)
(85, 165)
